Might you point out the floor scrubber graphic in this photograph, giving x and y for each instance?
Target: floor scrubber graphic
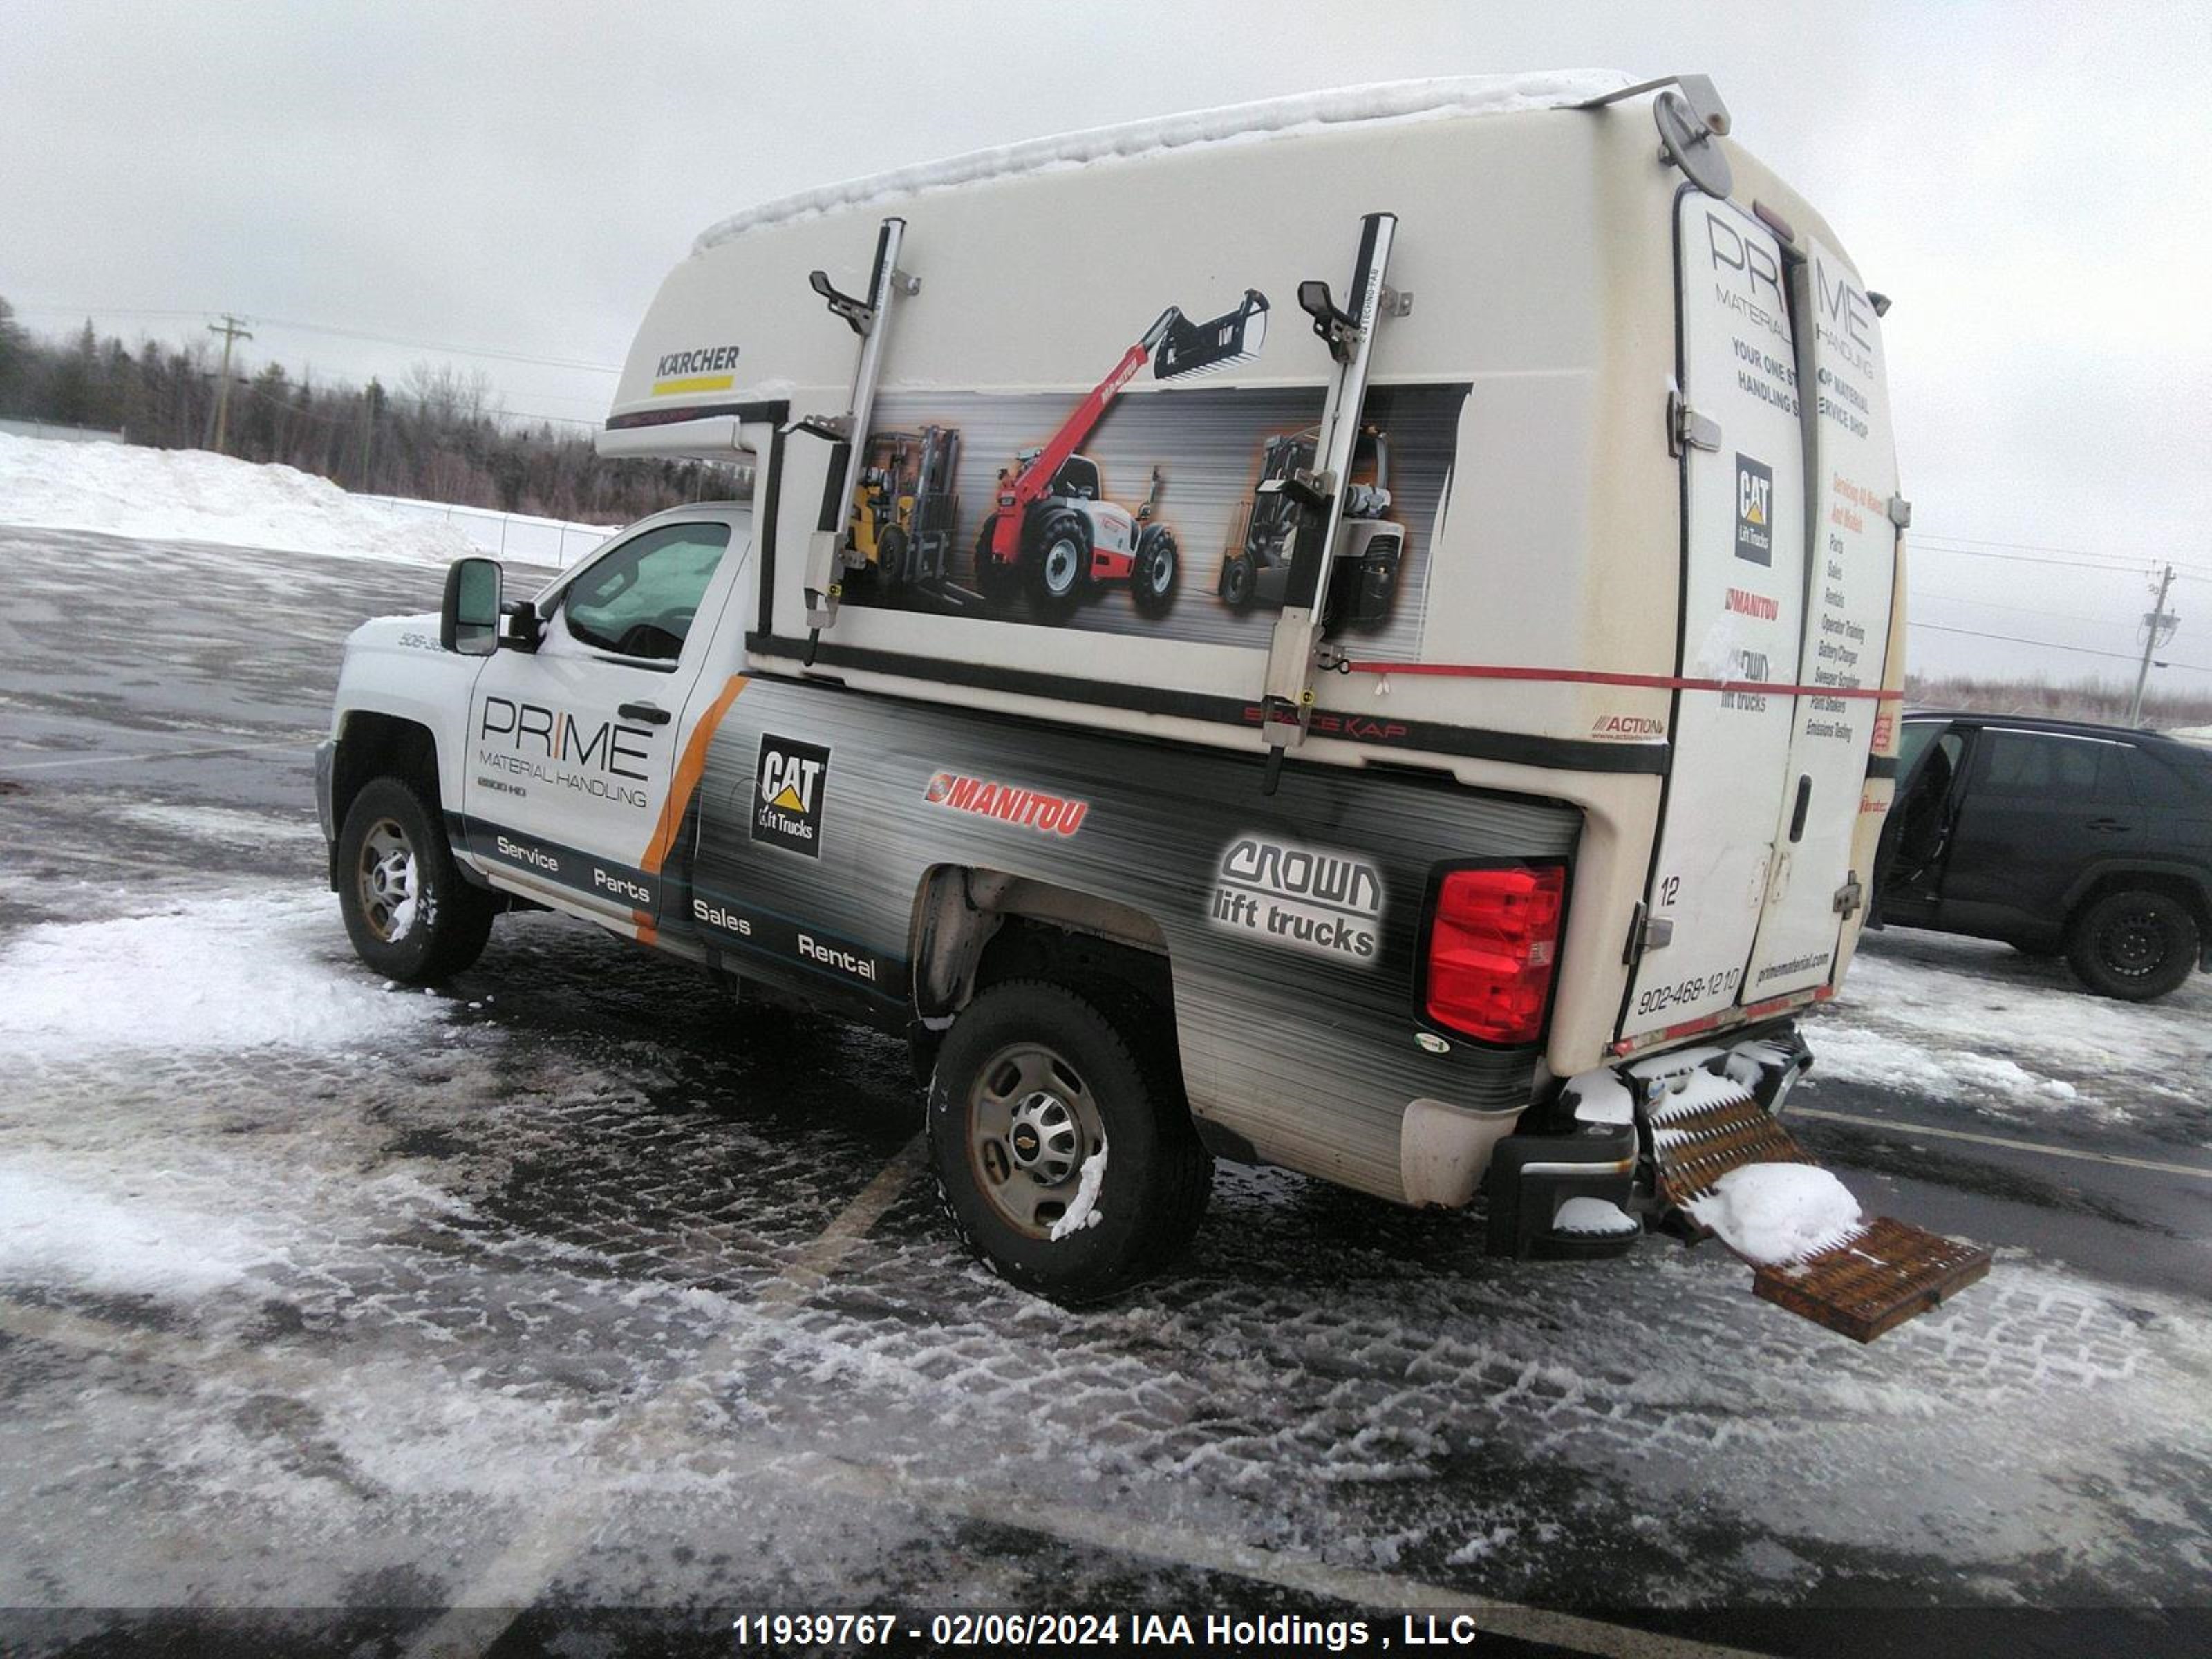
(903, 506)
(1054, 533)
(1363, 580)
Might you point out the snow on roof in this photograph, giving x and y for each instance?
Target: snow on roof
(1433, 99)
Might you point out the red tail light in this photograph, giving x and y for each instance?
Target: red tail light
(1493, 942)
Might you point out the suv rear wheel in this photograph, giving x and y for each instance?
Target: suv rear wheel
(2135, 944)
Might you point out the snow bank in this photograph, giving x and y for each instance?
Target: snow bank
(239, 972)
(1433, 99)
(189, 495)
(1772, 1212)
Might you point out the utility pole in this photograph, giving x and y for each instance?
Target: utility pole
(2158, 628)
(230, 330)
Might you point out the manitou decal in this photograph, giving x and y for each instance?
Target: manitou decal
(792, 778)
(1327, 904)
(531, 740)
(1031, 809)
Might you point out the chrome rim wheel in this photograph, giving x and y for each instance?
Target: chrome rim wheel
(387, 881)
(1031, 1123)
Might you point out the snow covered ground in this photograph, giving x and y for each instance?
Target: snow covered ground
(192, 495)
(2013, 1039)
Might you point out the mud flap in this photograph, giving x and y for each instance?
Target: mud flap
(1704, 1122)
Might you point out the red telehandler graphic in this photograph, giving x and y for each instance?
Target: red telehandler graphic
(1054, 532)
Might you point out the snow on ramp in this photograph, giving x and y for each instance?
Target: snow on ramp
(189, 495)
(239, 972)
(1771, 1214)
(1434, 99)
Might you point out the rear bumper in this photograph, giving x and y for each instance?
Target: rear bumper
(1532, 1175)
(1601, 1149)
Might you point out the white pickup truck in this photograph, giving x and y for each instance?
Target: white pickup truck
(1182, 777)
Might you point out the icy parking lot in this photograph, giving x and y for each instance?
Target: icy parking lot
(575, 1285)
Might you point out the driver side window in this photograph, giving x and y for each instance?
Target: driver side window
(640, 600)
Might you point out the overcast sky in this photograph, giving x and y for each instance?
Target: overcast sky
(2029, 184)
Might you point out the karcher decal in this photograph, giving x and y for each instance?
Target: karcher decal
(1325, 903)
(787, 810)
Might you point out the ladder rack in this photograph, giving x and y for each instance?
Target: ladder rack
(1287, 703)
(828, 552)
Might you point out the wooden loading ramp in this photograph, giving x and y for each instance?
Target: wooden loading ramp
(1871, 1282)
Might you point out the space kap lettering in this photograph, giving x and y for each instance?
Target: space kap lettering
(1327, 904)
(788, 812)
(987, 798)
(528, 740)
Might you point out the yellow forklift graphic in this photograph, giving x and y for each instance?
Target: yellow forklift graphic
(903, 506)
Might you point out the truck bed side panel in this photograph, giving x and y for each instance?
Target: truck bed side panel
(1294, 923)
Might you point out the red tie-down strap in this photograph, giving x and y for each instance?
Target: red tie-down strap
(1466, 670)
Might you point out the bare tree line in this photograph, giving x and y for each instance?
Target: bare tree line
(439, 436)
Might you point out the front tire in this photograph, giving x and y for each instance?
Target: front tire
(1033, 1084)
(409, 912)
(1058, 563)
(2134, 944)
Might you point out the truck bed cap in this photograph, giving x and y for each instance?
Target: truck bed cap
(1433, 98)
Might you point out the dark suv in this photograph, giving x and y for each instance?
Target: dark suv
(2058, 837)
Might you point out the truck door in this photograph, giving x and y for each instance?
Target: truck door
(1853, 545)
(572, 747)
(1742, 609)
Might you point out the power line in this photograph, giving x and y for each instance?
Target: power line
(493, 352)
(1924, 544)
(2053, 645)
(1994, 605)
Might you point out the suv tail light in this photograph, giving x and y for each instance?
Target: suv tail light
(1493, 941)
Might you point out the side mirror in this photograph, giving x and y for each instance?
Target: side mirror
(468, 621)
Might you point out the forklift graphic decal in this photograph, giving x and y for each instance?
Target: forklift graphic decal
(1004, 506)
(1363, 580)
(1053, 531)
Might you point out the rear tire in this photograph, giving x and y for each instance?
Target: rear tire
(1152, 582)
(410, 914)
(2135, 944)
(1032, 1082)
(996, 582)
(1239, 576)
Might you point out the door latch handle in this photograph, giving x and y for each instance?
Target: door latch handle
(646, 714)
(2110, 826)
